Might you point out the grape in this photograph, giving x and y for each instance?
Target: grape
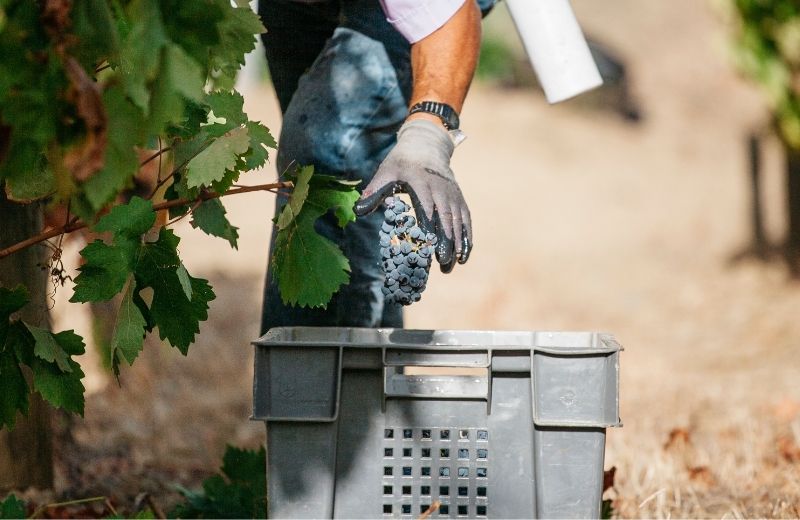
(406, 250)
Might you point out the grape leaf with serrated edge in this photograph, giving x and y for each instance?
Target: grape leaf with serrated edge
(210, 217)
(48, 349)
(260, 140)
(308, 267)
(104, 272)
(177, 317)
(132, 219)
(237, 38)
(210, 164)
(60, 389)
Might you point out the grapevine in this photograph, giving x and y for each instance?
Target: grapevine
(87, 88)
(407, 252)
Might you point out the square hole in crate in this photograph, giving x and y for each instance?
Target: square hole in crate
(388, 452)
(388, 433)
(406, 452)
(483, 435)
(387, 471)
(388, 490)
(444, 509)
(406, 509)
(463, 491)
(424, 490)
(425, 471)
(463, 453)
(481, 491)
(426, 453)
(406, 471)
(444, 435)
(480, 510)
(444, 472)
(463, 472)
(423, 508)
(462, 509)
(408, 433)
(482, 453)
(444, 453)
(444, 490)
(482, 472)
(463, 435)
(426, 434)
(387, 509)
(406, 490)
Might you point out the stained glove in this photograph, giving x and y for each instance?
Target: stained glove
(419, 164)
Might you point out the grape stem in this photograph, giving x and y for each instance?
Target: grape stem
(75, 224)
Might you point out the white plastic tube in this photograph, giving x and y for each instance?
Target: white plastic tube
(556, 47)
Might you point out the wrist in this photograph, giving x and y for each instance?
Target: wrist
(424, 116)
(426, 137)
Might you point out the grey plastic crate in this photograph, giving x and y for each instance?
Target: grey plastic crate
(360, 426)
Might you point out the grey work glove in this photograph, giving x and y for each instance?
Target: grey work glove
(419, 165)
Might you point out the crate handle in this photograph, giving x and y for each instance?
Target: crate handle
(399, 384)
(440, 356)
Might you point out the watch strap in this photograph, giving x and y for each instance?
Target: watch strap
(443, 111)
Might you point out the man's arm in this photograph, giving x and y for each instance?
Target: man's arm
(443, 62)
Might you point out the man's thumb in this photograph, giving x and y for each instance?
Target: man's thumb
(369, 202)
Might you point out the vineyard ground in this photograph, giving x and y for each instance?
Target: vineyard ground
(582, 222)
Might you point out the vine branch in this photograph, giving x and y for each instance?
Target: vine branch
(75, 225)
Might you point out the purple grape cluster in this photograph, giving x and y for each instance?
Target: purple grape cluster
(407, 253)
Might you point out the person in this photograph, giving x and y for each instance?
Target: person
(371, 91)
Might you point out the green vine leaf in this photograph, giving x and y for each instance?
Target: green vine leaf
(48, 349)
(309, 267)
(13, 389)
(104, 272)
(129, 220)
(12, 507)
(260, 141)
(129, 329)
(177, 316)
(210, 217)
(221, 155)
(11, 300)
(60, 389)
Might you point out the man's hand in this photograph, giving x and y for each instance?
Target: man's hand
(419, 165)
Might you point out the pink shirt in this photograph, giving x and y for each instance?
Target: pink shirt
(416, 19)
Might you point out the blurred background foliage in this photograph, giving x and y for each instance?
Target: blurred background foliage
(767, 49)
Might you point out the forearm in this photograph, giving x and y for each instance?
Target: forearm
(443, 62)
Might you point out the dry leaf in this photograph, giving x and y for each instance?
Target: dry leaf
(608, 478)
(678, 437)
(789, 449)
(702, 475)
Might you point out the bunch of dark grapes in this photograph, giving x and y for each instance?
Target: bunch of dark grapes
(407, 254)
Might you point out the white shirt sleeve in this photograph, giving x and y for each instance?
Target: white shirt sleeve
(416, 19)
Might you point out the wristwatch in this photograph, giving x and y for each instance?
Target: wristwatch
(443, 111)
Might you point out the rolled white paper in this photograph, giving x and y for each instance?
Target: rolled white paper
(556, 47)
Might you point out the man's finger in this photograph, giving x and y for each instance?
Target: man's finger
(445, 253)
(423, 209)
(370, 203)
(466, 238)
